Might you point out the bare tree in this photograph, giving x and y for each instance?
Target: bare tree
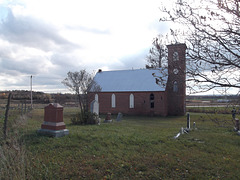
(157, 56)
(211, 30)
(80, 83)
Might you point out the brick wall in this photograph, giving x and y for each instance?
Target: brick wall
(141, 103)
(176, 100)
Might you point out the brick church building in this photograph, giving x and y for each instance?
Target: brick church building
(137, 92)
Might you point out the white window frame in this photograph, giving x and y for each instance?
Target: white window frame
(131, 101)
(96, 97)
(113, 100)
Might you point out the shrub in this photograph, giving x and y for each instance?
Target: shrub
(83, 119)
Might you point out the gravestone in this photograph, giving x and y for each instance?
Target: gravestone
(119, 117)
(53, 124)
(94, 107)
(108, 118)
(237, 124)
(194, 125)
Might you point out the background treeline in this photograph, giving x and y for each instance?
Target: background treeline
(213, 97)
(39, 97)
(71, 99)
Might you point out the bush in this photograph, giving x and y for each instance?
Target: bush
(86, 118)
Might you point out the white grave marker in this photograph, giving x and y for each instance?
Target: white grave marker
(94, 107)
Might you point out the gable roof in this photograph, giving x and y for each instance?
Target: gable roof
(130, 80)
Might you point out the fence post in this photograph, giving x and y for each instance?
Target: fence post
(6, 116)
(25, 107)
(188, 121)
(22, 109)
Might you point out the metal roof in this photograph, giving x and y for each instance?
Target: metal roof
(131, 80)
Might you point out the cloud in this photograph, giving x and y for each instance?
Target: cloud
(136, 61)
(32, 32)
(47, 39)
(29, 46)
(89, 30)
(28, 66)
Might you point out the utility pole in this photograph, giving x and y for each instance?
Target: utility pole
(31, 91)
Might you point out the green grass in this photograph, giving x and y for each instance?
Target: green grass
(135, 148)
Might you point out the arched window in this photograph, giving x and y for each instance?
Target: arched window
(175, 86)
(151, 100)
(96, 97)
(113, 101)
(131, 101)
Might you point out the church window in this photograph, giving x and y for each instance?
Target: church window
(96, 97)
(113, 101)
(151, 100)
(175, 86)
(131, 101)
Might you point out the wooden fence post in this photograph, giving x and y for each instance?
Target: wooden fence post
(25, 107)
(188, 121)
(6, 116)
(22, 108)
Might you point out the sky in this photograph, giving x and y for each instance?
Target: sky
(48, 38)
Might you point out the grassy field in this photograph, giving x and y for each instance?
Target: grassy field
(135, 148)
(221, 110)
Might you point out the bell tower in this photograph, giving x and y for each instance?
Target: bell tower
(176, 84)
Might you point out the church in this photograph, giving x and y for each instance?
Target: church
(160, 91)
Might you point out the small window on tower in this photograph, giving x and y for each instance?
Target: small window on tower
(175, 86)
(175, 56)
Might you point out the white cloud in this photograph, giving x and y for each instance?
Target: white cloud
(49, 38)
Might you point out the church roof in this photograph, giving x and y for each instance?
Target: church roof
(131, 80)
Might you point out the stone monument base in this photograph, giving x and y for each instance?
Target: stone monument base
(107, 121)
(53, 133)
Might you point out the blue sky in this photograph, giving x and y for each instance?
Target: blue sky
(48, 38)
